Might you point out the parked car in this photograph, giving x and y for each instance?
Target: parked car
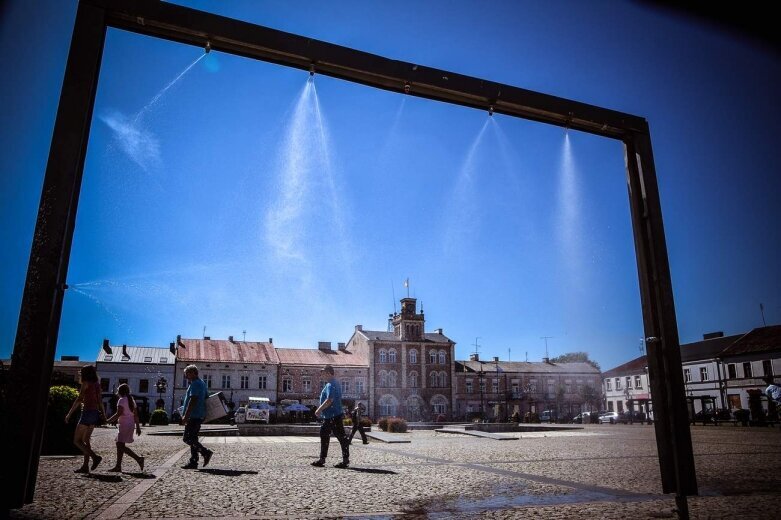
(634, 416)
(548, 416)
(608, 417)
(240, 416)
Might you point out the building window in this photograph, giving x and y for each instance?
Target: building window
(262, 382)
(148, 359)
(287, 385)
(442, 379)
(442, 357)
(532, 385)
(244, 382)
(163, 360)
(359, 385)
(439, 408)
(618, 383)
(122, 381)
(143, 386)
(482, 386)
(515, 389)
(767, 368)
(495, 386)
(433, 377)
(226, 381)
(620, 406)
(638, 383)
(610, 406)
(413, 356)
(345, 386)
(687, 375)
(104, 382)
(207, 378)
(704, 374)
(747, 369)
(567, 387)
(392, 355)
(383, 379)
(629, 381)
(469, 388)
(432, 356)
(732, 373)
(108, 357)
(608, 386)
(307, 385)
(383, 356)
(413, 379)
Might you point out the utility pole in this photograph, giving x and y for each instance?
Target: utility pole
(244, 335)
(546, 338)
(476, 345)
(762, 311)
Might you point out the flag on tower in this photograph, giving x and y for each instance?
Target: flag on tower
(406, 282)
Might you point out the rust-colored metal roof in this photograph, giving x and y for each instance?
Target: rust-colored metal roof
(227, 351)
(311, 356)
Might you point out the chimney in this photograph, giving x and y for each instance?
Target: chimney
(341, 346)
(358, 328)
(546, 360)
(324, 346)
(713, 335)
(496, 359)
(107, 347)
(271, 340)
(179, 341)
(230, 338)
(172, 348)
(124, 352)
(207, 338)
(474, 357)
(69, 358)
(438, 331)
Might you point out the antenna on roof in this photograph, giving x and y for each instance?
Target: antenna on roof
(244, 335)
(546, 338)
(393, 291)
(508, 354)
(204, 332)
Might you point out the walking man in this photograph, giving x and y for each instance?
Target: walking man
(330, 410)
(194, 414)
(355, 415)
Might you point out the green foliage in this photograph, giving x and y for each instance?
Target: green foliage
(575, 357)
(58, 436)
(531, 418)
(347, 422)
(159, 418)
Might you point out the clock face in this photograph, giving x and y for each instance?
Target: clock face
(409, 309)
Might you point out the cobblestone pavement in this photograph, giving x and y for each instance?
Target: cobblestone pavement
(602, 471)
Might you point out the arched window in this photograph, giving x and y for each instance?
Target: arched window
(434, 378)
(388, 404)
(392, 379)
(438, 404)
(383, 382)
(413, 379)
(392, 355)
(383, 356)
(432, 356)
(443, 379)
(441, 357)
(413, 356)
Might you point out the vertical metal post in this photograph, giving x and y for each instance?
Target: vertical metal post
(41, 307)
(676, 459)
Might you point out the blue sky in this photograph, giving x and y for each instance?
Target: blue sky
(243, 196)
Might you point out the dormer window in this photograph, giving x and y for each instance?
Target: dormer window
(108, 357)
(148, 359)
(163, 360)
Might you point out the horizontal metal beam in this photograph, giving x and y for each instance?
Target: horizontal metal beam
(189, 26)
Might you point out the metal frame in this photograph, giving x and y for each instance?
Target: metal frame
(45, 285)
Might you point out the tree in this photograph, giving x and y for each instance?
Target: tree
(575, 357)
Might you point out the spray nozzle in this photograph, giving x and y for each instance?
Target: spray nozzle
(490, 110)
(312, 69)
(208, 47)
(406, 87)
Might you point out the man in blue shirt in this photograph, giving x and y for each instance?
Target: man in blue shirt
(193, 416)
(330, 411)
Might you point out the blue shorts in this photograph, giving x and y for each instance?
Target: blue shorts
(90, 417)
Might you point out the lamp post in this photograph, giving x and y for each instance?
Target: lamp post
(482, 408)
(162, 386)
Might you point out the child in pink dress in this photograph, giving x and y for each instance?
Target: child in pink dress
(126, 418)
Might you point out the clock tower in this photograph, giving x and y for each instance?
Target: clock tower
(409, 325)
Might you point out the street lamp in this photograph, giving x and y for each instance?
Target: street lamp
(162, 386)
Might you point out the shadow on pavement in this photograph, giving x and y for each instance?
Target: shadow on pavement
(375, 471)
(227, 472)
(140, 475)
(103, 478)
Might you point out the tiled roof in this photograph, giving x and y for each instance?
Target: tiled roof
(381, 335)
(759, 340)
(155, 355)
(636, 366)
(707, 348)
(312, 356)
(227, 351)
(521, 366)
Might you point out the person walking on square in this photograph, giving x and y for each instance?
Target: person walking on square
(194, 414)
(773, 391)
(330, 410)
(355, 415)
(126, 420)
(92, 414)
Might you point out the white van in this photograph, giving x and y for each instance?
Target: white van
(257, 410)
